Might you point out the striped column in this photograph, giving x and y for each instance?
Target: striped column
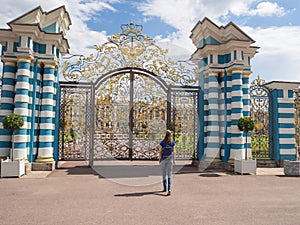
(56, 98)
(34, 107)
(227, 116)
(212, 133)
(38, 102)
(205, 115)
(47, 115)
(7, 103)
(236, 140)
(22, 106)
(246, 107)
(285, 129)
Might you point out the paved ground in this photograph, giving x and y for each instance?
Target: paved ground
(76, 195)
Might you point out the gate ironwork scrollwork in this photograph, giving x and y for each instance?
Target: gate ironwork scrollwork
(259, 111)
(137, 93)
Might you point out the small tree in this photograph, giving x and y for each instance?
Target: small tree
(13, 122)
(246, 124)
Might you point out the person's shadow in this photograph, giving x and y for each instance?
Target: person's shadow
(140, 194)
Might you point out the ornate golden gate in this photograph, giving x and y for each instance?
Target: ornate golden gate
(259, 110)
(132, 95)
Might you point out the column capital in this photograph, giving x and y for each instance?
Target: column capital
(9, 61)
(50, 64)
(25, 58)
(212, 72)
(246, 74)
(235, 69)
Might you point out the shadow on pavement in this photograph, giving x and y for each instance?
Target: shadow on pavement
(140, 194)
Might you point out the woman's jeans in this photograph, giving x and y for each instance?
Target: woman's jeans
(167, 166)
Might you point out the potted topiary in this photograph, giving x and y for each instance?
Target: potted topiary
(245, 124)
(11, 167)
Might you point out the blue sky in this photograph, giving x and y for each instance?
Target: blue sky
(273, 24)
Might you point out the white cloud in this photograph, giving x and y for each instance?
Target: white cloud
(80, 37)
(278, 57)
(264, 9)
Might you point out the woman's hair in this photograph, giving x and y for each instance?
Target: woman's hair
(168, 137)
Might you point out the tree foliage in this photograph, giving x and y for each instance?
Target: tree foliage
(246, 124)
(13, 122)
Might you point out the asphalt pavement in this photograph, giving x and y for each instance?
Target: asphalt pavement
(76, 194)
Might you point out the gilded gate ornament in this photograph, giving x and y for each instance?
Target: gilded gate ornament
(131, 48)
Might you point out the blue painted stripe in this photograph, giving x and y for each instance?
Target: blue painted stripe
(46, 132)
(7, 106)
(212, 133)
(23, 65)
(292, 135)
(21, 131)
(287, 146)
(22, 91)
(236, 88)
(48, 70)
(236, 76)
(21, 105)
(8, 81)
(286, 125)
(20, 145)
(237, 146)
(5, 144)
(213, 145)
(214, 122)
(7, 94)
(47, 95)
(286, 105)
(285, 115)
(47, 107)
(236, 110)
(288, 157)
(23, 78)
(46, 120)
(9, 69)
(236, 135)
(48, 83)
(213, 89)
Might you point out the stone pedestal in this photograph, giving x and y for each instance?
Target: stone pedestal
(243, 166)
(37, 166)
(291, 168)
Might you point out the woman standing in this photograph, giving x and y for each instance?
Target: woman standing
(167, 158)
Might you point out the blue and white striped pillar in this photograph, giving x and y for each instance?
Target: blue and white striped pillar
(7, 103)
(47, 115)
(22, 138)
(212, 150)
(282, 122)
(246, 107)
(225, 115)
(236, 136)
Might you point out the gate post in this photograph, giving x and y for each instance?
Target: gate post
(282, 122)
(223, 56)
(32, 38)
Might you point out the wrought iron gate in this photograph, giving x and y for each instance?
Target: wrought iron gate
(132, 94)
(75, 121)
(259, 111)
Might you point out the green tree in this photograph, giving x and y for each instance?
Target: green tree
(246, 124)
(13, 122)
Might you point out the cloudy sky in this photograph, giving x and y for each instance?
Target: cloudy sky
(273, 24)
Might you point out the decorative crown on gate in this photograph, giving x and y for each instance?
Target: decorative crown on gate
(131, 28)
